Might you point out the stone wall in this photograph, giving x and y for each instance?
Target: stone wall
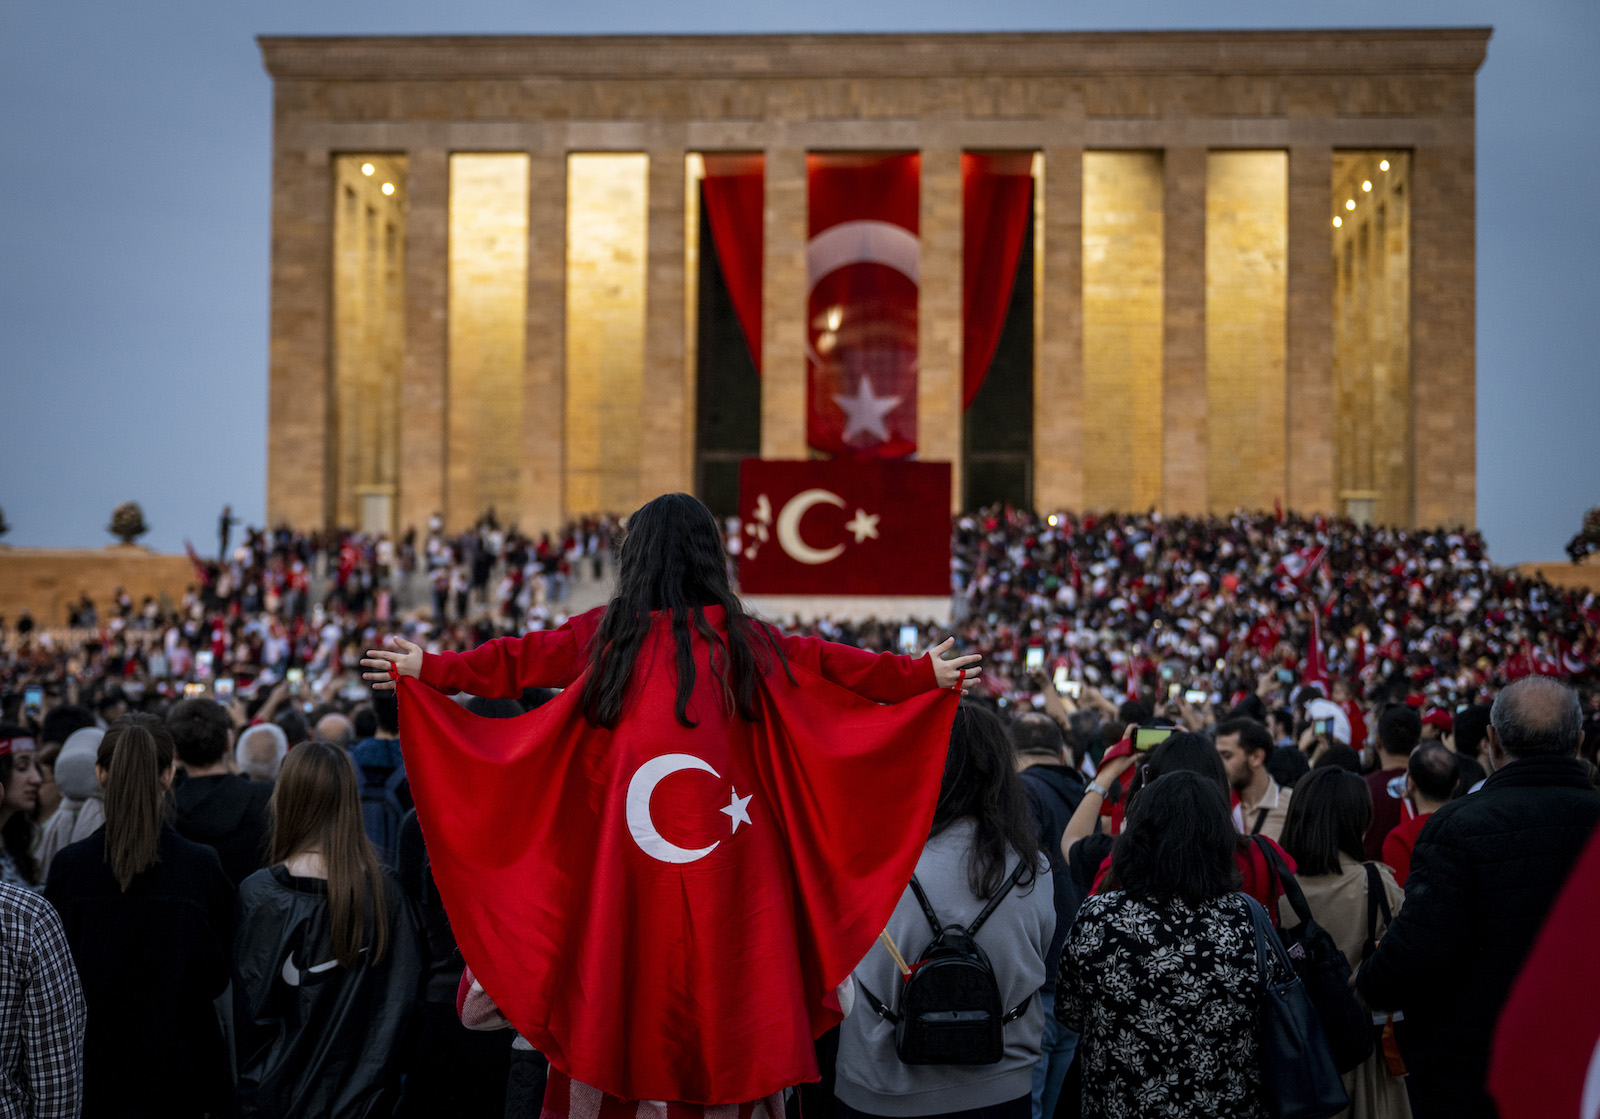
(46, 581)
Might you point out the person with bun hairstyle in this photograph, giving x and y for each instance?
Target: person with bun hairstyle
(149, 917)
(329, 962)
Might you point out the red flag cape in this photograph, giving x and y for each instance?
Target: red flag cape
(664, 911)
(1546, 1056)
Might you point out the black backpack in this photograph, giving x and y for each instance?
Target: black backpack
(950, 1009)
(382, 810)
(1324, 970)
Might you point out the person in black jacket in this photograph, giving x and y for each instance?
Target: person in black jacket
(1484, 874)
(328, 965)
(216, 806)
(149, 917)
(1053, 787)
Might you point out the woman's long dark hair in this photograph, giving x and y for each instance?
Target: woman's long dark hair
(1328, 817)
(17, 834)
(1178, 843)
(981, 783)
(671, 559)
(137, 753)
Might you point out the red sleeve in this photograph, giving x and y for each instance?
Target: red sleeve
(1397, 854)
(880, 677)
(541, 658)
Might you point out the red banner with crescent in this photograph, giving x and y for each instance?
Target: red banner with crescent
(844, 527)
(863, 258)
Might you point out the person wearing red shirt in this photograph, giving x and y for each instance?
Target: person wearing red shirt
(1430, 782)
(1399, 731)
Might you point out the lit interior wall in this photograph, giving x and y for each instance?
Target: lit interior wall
(488, 299)
(606, 248)
(369, 236)
(1247, 251)
(1372, 335)
(1122, 322)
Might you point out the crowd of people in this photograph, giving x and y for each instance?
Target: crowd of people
(1184, 730)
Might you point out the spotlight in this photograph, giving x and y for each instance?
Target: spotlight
(1383, 165)
(367, 168)
(1349, 203)
(388, 188)
(1337, 222)
(1366, 184)
(1053, 519)
(835, 317)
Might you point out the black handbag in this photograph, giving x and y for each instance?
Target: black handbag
(1323, 967)
(1297, 1067)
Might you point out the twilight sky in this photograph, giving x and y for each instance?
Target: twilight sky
(134, 189)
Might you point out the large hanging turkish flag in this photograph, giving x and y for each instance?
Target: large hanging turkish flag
(862, 261)
(843, 527)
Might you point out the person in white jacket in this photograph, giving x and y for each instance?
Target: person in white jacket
(82, 812)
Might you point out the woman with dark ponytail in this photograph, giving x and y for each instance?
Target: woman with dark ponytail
(661, 876)
(149, 916)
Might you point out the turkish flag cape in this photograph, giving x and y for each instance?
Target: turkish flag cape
(1546, 1056)
(665, 911)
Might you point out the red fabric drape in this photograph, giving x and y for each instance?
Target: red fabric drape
(862, 265)
(997, 197)
(734, 189)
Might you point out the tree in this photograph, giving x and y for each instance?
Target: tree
(127, 522)
(1588, 538)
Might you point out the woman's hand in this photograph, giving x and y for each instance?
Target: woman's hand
(407, 662)
(946, 673)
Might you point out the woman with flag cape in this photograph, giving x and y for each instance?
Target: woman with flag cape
(661, 875)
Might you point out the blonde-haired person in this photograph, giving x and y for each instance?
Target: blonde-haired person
(149, 917)
(328, 962)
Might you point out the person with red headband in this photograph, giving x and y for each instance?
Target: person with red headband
(19, 796)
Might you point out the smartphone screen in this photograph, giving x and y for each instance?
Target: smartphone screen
(1173, 690)
(202, 663)
(192, 690)
(1073, 689)
(295, 676)
(33, 699)
(1323, 727)
(224, 689)
(1194, 696)
(1033, 659)
(1146, 737)
(1285, 676)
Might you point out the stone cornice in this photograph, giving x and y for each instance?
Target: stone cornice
(1006, 54)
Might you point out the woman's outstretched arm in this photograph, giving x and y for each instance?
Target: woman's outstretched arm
(497, 669)
(883, 677)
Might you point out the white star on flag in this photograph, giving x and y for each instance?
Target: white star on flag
(865, 412)
(736, 810)
(863, 525)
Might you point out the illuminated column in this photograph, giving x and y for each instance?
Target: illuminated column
(939, 322)
(1183, 380)
(783, 307)
(541, 484)
(422, 372)
(665, 461)
(1058, 330)
(298, 479)
(1310, 412)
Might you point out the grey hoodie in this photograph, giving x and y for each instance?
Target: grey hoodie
(870, 1077)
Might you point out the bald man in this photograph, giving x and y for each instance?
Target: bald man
(335, 728)
(1485, 871)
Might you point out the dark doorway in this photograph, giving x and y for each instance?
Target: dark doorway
(728, 388)
(997, 431)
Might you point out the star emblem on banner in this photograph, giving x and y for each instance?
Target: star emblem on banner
(736, 809)
(865, 412)
(863, 525)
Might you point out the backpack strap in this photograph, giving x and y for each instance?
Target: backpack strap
(1261, 821)
(994, 902)
(927, 907)
(1377, 902)
(877, 1004)
(1020, 1009)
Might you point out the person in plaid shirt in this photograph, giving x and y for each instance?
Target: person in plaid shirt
(42, 1012)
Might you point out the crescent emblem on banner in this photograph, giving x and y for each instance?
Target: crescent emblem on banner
(642, 827)
(789, 526)
(863, 242)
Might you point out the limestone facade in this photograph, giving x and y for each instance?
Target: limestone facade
(1178, 102)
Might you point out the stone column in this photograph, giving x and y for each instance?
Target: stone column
(1058, 364)
(939, 318)
(422, 372)
(1443, 354)
(541, 481)
(1183, 335)
(299, 430)
(783, 307)
(1310, 418)
(666, 421)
